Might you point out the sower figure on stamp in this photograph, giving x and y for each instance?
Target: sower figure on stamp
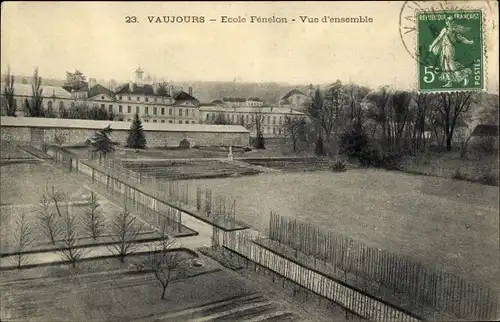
(451, 70)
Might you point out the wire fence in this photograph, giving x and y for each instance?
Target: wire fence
(440, 290)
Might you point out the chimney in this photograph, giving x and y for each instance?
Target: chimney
(190, 90)
(131, 86)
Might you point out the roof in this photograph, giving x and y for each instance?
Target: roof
(485, 130)
(234, 99)
(217, 102)
(47, 91)
(116, 125)
(144, 89)
(212, 108)
(182, 96)
(255, 99)
(293, 92)
(99, 89)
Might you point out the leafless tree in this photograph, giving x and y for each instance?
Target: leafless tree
(354, 97)
(93, 218)
(57, 197)
(257, 123)
(8, 93)
(69, 245)
(165, 264)
(35, 104)
(23, 237)
(293, 128)
(125, 229)
(49, 223)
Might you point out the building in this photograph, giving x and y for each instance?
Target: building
(272, 119)
(55, 98)
(295, 99)
(76, 132)
(237, 102)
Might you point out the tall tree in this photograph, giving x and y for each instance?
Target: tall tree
(136, 138)
(258, 125)
(76, 80)
(34, 106)
(315, 112)
(453, 108)
(378, 103)
(355, 95)
(101, 142)
(125, 229)
(294, 127)
(8, 93)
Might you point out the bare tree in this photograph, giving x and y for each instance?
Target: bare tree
(453, 108)
(8, 93)
(257, 123)
(69, 245)
(93, 219)
(354, 96)
(48, 221)
(293, 127)
(125, 229)
(165, 264)
(378, 102)
(35, 105)
(57, 197)
(23, 237)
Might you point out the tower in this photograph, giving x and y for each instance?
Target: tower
(138, 75)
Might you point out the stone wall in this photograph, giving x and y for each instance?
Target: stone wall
(69, 136)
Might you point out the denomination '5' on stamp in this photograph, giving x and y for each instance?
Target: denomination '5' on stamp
(450, 45)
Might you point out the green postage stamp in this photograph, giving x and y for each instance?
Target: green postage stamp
(451, 52)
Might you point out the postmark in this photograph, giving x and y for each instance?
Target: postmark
(447, 41)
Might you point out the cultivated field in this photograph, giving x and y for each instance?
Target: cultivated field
(445, 224)
(105, 290)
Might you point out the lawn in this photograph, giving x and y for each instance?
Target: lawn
(104, 289)
(445, 224)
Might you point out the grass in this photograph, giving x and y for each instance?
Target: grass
(106, 290)
(447, 224)
(10, 151)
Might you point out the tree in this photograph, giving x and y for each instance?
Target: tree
(125, 229)
(354, 96)
(453, 108)
(258, 124)
(162, 89)
(377, 110)
(136, 138)
(294, 127)
(48, 221)
(219, 120)
(69, 246)
(75, 81)
(93, 219)
(23, 237)
(101, 142)
(8, 93)
(34, 106)
(314, 111)
(165, 264)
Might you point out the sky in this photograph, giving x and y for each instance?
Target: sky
(94, 38)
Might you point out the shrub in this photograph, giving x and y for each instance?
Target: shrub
(247, 149)
(459, 175)
(184, 144)
(338, 166)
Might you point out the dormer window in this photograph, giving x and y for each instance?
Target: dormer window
(146, 99)
(138, 98)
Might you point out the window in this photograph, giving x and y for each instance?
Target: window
(129, 109)
(137, 109)
(120, 109)
(120, 97)
(102, 97)
(102, 106)
(129, 98)
(169, 121)
(232, 117)
(73, 104)
(274, 119)
(129, 120)
(163, 121)
(154, 121)
(180, 122)
(156, 99)
(138, 98)
(50, 106)
(146, 110)
(279, 131)
(146, 120)
(170, 111)
(110, 109)
(192, 122)
(61, 105)
(268, 120)
(162, 111)
(147, 99)
(246, 118)
(281, 119)
(187, 112)
(268, 130)
(180, 112)
(207, 117)
(274, 130)
(154, 110)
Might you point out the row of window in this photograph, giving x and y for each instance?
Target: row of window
(164, 121)
(146, 99)
(245, 118)
(155, 110)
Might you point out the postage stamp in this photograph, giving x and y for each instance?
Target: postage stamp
(451, 50)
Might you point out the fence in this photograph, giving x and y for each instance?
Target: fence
(146, 191)
(364, 305)
(441, 291)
